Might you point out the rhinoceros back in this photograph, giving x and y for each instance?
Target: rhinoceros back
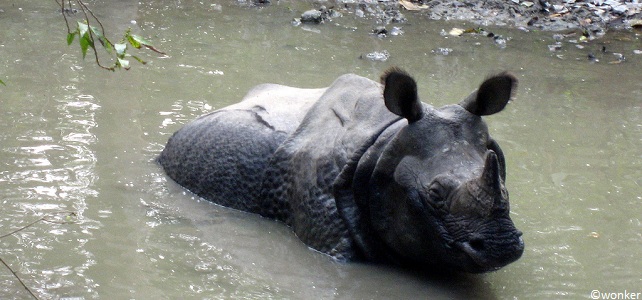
(222, 156)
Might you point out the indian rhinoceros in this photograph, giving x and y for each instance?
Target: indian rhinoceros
(361, 170)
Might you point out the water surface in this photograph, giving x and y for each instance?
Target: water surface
(74, 138)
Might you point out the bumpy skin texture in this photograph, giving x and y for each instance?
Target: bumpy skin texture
(222, 156)
(301, 173)
(360, 171)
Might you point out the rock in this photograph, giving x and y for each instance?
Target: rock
(555, 47)
(380, 30)
(620, 9)
(499, 41)
(442, 51)
(312, 16)
(456, 31)
(549, 15)
(527, 3)
(396, 31)
(376, 56)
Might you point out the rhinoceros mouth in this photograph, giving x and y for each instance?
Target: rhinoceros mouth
(483, 260)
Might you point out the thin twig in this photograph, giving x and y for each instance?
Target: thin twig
(22, 228)
(102, 29)
(84, 9)
(64, 16)
(68, 213)
(43, 219)
(19, 280)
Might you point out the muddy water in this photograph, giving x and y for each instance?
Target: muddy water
(77, 139)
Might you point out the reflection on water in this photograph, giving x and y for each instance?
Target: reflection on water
(49, 168)
(75, 138)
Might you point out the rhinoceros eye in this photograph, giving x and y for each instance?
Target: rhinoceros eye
(436, 193)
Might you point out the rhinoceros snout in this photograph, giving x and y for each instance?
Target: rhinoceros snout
(489, 254)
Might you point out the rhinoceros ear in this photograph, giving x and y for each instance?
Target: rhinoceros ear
(492, 96)
(400, 94)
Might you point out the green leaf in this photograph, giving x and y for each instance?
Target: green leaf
(120, 49)
(70, 37)
(140, 40)
(2, 82)
(107, 45)
(137, 41)
(133, 41)
(84, 38)
(123, 63)
(101, 38)
(96, 32)
(82, 28)
(85, 43)
(139, 60)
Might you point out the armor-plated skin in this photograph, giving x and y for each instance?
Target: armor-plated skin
(361, 170)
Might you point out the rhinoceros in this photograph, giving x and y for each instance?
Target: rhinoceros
(361, 170)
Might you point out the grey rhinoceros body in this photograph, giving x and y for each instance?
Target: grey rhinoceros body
(360, 170)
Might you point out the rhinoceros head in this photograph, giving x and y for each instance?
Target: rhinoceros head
(436, 195)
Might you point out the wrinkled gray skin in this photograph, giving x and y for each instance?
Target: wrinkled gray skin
(361, 171)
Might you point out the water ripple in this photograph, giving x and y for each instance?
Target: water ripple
(50, 169)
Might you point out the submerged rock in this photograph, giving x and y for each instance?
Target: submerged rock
(442, 51)
(376, 56)
(320, 15)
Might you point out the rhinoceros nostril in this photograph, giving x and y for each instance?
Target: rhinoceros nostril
(477, 244)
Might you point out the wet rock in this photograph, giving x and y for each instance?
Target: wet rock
(359, 13)
(551, 15)
(558, 37)
(527, 4)
(380, 31)
(499, 41)
(555, 47)
(560, 9)
(316, 16)
(591, 57)
(376, 56)
(396, 31)
(619, 57)
(253, 2)
(312, 16)
(593, 16)
(442, 51)
(620, 9)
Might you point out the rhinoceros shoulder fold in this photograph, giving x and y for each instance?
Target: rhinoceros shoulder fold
(279, 106)
(350, 109)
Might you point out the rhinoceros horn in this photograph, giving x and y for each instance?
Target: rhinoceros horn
(492, 96)
(490, 180)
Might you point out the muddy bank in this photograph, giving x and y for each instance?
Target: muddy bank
(595, 16)
(592, 17)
